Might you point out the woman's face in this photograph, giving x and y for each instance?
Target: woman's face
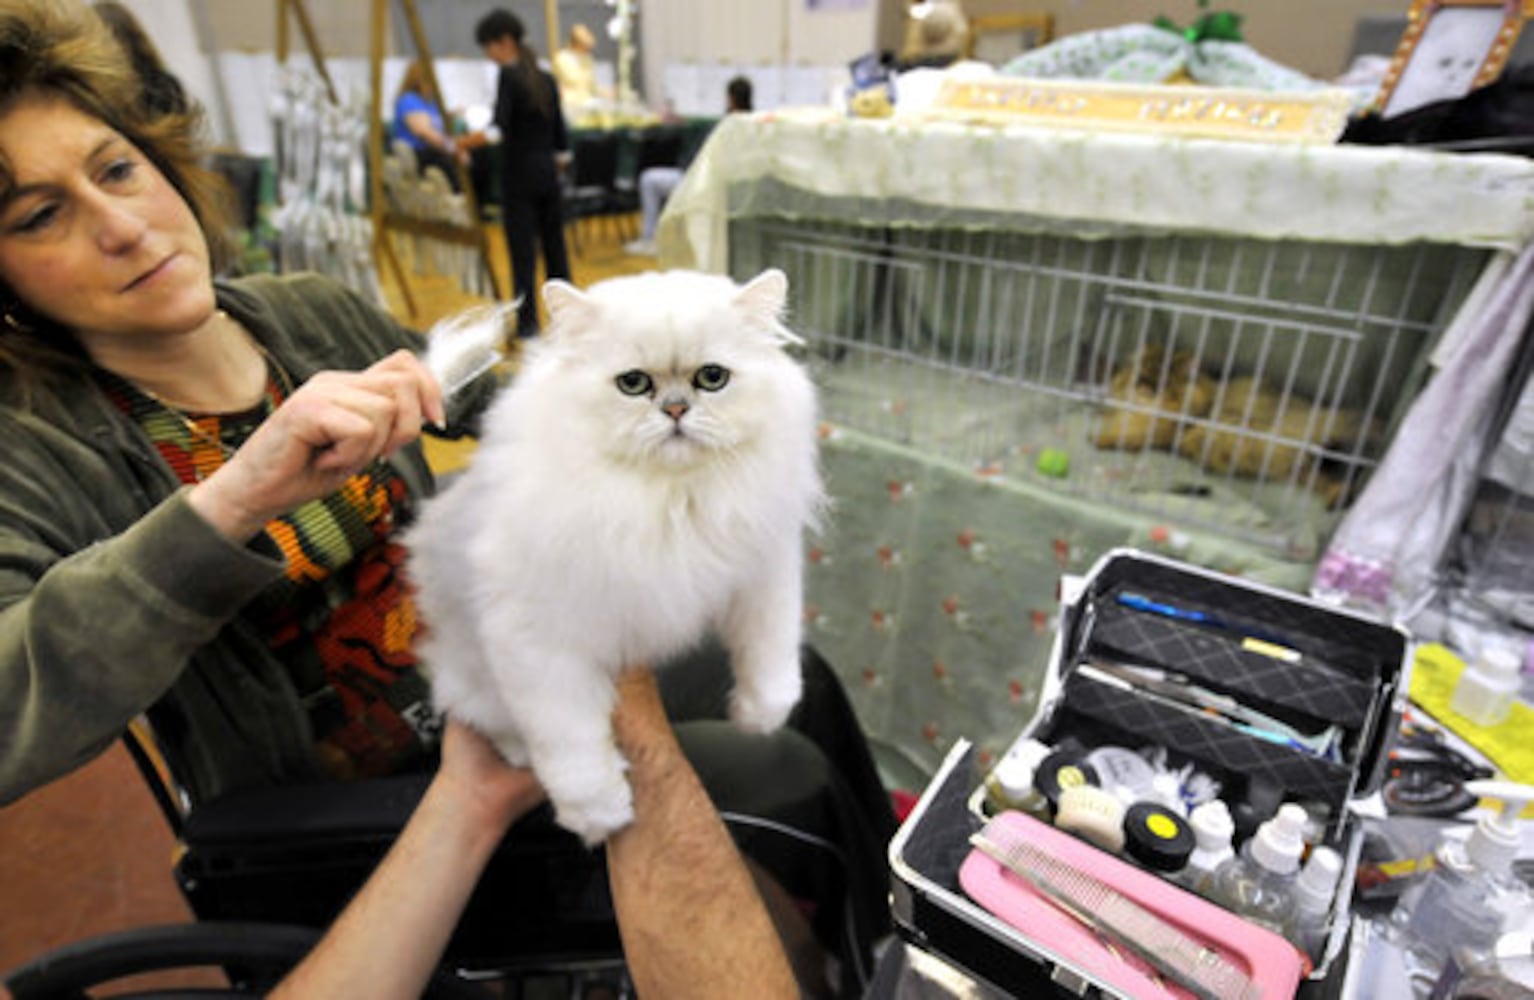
(92, 235)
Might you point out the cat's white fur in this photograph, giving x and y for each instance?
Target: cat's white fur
(594, 531)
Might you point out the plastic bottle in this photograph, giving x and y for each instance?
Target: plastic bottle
(1212, 832)
(1258, 883)
(1458, 908)
(1010, 784)
(1488, 687)
(1314, 890)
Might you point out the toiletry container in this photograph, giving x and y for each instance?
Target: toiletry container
(1258, 882)
(1213, 829)
(1314, 890)
(1458, 907)
(1489, 685)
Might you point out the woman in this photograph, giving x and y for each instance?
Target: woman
(418, 122)
(203, 481)
(533, 137)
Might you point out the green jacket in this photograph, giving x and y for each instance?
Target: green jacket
(117, 599)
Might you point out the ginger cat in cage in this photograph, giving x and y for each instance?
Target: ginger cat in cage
(648, 476)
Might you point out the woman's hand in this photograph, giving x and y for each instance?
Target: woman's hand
(332, 427)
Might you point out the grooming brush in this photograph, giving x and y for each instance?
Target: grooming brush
(463, 347)
(1123, 923)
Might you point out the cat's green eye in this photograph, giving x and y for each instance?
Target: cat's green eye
(711, 378)
(634, 383)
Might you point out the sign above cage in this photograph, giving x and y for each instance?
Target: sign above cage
(1315, 117)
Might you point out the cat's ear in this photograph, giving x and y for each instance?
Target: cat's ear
(763, 299)
(569, 307)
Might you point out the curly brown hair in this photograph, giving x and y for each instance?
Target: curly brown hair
(62, 49)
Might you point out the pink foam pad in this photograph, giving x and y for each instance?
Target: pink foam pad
(1274, 965)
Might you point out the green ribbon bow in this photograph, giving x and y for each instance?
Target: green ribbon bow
(1219, 26)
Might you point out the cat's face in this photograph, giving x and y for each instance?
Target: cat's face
(678, 369)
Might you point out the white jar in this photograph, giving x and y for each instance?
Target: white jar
(1489, 686)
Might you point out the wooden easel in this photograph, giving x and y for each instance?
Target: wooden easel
(384, 220)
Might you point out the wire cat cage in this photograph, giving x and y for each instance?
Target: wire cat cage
(1244, 387)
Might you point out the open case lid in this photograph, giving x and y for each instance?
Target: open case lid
(1251, 641)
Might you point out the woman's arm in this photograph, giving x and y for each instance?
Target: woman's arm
(392, 935)
(691, 921)
(422, 126)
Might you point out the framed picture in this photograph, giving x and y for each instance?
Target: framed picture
(996, 38)
(1450, 47)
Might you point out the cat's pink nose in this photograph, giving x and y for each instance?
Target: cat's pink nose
(674, 410)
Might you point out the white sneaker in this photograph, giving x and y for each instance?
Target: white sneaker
(643, 248)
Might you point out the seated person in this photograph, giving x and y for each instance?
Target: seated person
(575, 71)
(203, 486)
(418, 122)
(657, 183)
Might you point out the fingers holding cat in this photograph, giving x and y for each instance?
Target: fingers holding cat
(330, 428)
(485, 785)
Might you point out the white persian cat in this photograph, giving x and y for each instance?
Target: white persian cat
(648, 476)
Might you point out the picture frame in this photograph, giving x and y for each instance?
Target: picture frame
(1449, 48)
(995, 38)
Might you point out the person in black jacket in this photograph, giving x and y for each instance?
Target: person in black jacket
(532, 126)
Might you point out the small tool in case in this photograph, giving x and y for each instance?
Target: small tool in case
(1269, 696)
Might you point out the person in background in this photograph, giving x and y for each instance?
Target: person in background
(533, 145)
(419, 123)
(575, 70)
(689, 916)
(657, 183)
(163, 93)
(935, 35)
(203, 486)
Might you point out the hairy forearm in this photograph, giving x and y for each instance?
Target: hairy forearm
(393, 934)
(691, 920)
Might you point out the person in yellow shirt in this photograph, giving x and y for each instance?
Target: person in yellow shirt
(575, 70)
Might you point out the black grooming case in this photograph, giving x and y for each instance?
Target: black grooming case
(1283, 653)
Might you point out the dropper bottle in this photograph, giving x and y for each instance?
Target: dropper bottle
(1314, 890)
(1010, 785)
(1213, 828)
(1457, 910)
(1258, 883)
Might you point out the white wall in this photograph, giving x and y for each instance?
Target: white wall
(170, 24)
(740, 35)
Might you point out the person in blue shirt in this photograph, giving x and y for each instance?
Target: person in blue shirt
(418, 121)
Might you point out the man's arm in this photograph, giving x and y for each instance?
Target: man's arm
(689, 914)
(392, 935)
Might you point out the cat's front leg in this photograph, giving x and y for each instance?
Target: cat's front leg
(563, 708)
(762, 629)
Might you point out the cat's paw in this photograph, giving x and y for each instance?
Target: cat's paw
(762, 711)
(597, 815)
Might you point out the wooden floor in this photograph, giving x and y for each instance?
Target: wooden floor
(90, 853)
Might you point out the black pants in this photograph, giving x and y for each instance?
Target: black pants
(533, 217)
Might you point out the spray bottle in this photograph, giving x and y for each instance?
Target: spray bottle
(1258, 883)
(1457, 911)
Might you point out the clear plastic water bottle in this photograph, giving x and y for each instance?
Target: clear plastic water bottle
(1258, 883)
